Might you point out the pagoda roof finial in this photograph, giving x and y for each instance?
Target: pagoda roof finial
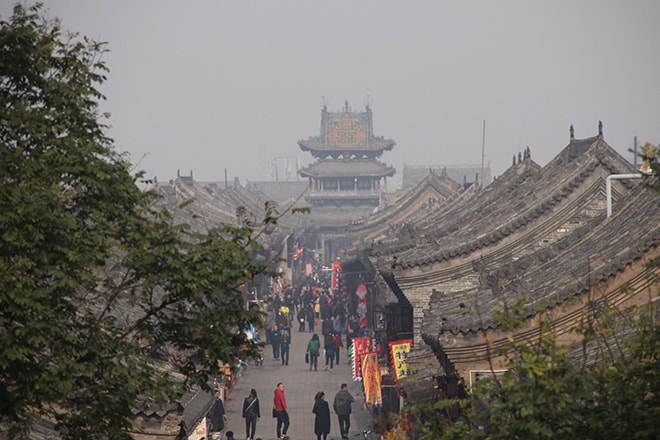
(347, 109)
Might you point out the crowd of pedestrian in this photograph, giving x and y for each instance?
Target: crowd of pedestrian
(315, 308)
(342, 405)
(310, 305)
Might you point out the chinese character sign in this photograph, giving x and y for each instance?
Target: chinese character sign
(371, 379)
(399, 352)
(361, 346)
(336, 274)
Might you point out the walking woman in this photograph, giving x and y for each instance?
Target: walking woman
(251, 413)
(313, 347)
(322, 419)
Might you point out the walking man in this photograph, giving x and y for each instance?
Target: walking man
(280, 411)
(342, 406)
(284, 346)
(218, 417)
(311, 316)
(337, 345)
(275, 341)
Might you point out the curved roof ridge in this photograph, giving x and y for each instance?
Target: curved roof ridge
(550, 284)
(529, 207)
(517, 221)
(511, 179)
(347, 168)
(408, 198)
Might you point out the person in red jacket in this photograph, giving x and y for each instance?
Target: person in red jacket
(280, 411)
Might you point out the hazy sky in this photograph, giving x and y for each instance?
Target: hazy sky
(214, 85)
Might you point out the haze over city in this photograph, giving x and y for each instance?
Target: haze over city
(210, 86)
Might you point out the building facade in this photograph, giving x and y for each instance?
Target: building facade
(536, 234)
(346, 182)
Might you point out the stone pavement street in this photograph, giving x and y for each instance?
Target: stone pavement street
(300, 387)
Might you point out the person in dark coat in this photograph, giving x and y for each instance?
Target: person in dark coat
(337, 345)
(311, 316)
(275, 341)
(322, 419)
(327, 327)
(329, 351)
(251, 413)
(218, 416)
(285, 343)
(342, 406)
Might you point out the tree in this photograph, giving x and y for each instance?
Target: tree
(545, 394)
(98, 286)
(651, 156)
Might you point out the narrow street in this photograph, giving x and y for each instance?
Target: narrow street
(300, 387)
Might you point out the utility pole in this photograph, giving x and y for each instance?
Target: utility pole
(483, 153)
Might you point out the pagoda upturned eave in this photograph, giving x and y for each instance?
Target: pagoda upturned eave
(318, 145)
(343, 169)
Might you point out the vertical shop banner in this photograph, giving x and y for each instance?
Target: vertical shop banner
(361, 307)
(336, 274)
(361, 346)
(399, 353)
(371, 379)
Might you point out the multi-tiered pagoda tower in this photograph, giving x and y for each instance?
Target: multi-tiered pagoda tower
(347, 180)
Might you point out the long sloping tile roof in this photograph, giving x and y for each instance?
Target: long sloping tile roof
(594, 253)
(520, 199)
(536, 231)
(411, 204)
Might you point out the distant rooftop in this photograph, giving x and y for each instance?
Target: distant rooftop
(413, 174)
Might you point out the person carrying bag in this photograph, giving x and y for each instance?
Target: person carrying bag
(313, 347)
(251, 413)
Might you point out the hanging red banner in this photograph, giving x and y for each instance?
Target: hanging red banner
(361, 346)
(336, 274)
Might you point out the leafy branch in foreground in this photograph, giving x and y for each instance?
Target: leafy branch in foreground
(106, 305)
(546, 394)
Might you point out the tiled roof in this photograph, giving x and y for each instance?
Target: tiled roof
(413, 174)
(317, 144)
(347, 168)
(541, 232)
(410, 205)
(346, 133)
(522, 195)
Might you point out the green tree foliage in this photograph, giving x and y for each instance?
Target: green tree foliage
(547, 395)
(651, 157)
(97, 286)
